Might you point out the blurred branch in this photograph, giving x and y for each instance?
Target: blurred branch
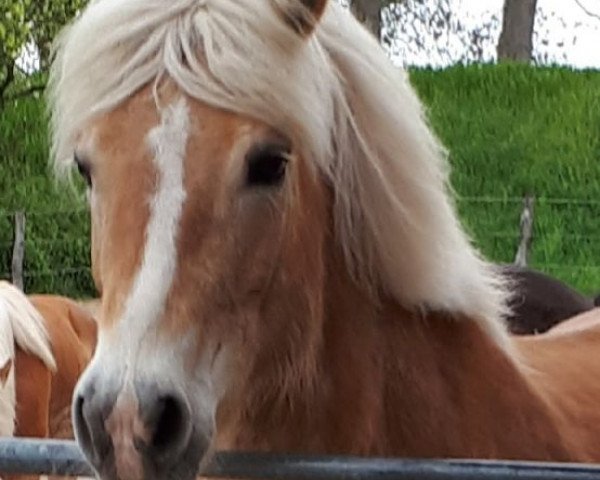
(8, 79)
(587, 11)
(20, 69)
(434, 30)
(26, 92)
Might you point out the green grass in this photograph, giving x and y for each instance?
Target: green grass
(510, 130)
(513, 130)
(57, 226)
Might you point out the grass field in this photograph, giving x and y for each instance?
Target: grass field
(513, 130)
(510, 130)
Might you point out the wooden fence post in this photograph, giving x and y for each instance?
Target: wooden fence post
(18, 256)
(526, 228)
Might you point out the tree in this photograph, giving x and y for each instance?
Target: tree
(516, 39)
(440, 33)
(368, 12)
(13, 34)
(27, 28)
(47, 18)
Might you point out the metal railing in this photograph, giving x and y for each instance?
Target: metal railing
(51, 457)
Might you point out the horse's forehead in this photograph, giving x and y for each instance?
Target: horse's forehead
(138, 149)
(122, 126)
(213, 137)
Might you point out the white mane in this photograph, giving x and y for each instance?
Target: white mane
(336, 93)
(26, 323)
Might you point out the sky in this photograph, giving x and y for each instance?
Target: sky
(573, 35)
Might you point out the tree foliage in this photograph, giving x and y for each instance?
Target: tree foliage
(13, 26)
(433, 32)
(27, 29)
(47, 18)
(13, 34)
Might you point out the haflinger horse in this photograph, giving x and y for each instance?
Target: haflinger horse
(49, 341)
(279, 258)
(44, 395)
(22, 332)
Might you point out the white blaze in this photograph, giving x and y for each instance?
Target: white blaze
(133, 352)
(146, 301)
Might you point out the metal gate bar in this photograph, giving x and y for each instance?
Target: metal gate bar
(52, 457)
(42, 457)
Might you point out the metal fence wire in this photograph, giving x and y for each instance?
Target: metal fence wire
(563, 242)
(53, 457)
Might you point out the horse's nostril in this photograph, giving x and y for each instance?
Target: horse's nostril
(88, 421)
(169, 424)
(81, 426)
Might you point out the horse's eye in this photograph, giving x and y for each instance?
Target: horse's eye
(84, 169)
(266, 165)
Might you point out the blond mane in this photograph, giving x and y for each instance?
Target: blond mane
(335, 94)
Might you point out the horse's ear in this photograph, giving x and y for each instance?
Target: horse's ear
(303, 15)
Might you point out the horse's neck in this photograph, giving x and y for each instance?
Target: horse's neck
(390, 382)
(426, 386)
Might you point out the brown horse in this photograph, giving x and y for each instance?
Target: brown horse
(540, 301)
(280, 261)
(45, 378)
